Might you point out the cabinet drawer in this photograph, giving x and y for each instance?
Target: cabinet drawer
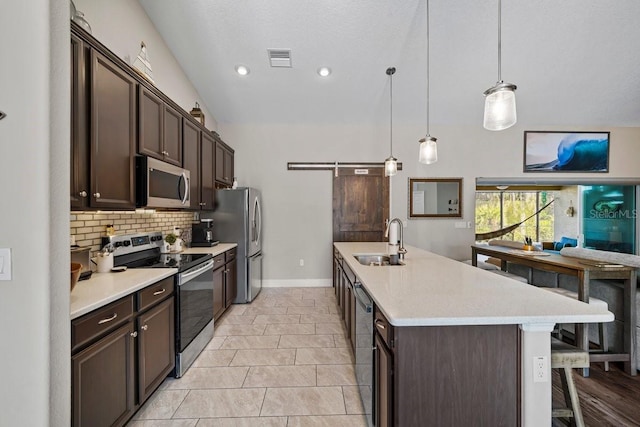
(218, 261)
(97, 323)
(231, 254)
(155, 293)
(383, 327)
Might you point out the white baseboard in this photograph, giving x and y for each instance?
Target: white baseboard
(297, 283)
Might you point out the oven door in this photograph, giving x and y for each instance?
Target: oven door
(195, 303)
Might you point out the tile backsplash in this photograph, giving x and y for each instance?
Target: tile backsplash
(89, 227)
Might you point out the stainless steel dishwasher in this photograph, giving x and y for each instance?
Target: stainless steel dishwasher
(364, 349)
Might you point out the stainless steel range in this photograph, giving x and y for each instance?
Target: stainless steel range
(194, 289)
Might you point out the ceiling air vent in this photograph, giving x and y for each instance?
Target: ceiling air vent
(280, 57)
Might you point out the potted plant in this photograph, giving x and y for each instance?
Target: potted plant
(171, 238)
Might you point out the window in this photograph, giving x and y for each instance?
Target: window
(497, 210)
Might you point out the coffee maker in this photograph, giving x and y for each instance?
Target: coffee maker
(202, 234)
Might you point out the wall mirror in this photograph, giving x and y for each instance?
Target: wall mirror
(435, 197)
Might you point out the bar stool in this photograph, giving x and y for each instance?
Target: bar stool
(602, 332)
(566, 357)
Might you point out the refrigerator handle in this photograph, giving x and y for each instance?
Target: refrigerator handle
(258, 220)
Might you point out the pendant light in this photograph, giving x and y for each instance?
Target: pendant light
(428, 153)
(500, 100)
(391, 163)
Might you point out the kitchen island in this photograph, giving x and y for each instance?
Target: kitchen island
(465, 339)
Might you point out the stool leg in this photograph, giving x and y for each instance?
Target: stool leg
(604, 342)
(573, 397)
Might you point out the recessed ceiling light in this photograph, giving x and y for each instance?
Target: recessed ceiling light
(242, 70)
(324, 71)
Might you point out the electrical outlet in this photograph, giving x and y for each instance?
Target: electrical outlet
(540, 369)
(301, 262)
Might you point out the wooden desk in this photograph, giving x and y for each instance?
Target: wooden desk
(584, 272)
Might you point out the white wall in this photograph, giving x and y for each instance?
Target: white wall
(564, 225)
(121, 25)
(297, 204)
(34, 170)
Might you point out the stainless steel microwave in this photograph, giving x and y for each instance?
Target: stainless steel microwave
(161, 185)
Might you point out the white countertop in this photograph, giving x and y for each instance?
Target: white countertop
(103, 288)
(215, 250)
(432, 290)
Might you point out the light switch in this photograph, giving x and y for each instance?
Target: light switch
(5, 264)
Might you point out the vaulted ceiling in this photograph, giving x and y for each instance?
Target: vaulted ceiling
(576, 62)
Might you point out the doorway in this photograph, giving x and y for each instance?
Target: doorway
(360, 204)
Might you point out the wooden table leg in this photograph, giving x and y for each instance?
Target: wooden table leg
(474, 257)
(582, 329)
(630, 315)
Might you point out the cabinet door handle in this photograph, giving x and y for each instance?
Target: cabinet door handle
(108, 319)
(380, 324)
(134, 334)
(144, 327)
(83, 193)
(96, 195)
(160, 292)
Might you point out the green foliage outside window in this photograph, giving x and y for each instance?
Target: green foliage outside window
(496, 210)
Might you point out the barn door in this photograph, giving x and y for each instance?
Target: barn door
(360, 205)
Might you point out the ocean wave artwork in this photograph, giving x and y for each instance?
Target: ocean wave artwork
(566, 152)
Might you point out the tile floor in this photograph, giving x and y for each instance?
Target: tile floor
(281, 361)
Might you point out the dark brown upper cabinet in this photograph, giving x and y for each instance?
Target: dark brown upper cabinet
(191, 160)
(224, 164)
(79, 183)
(160, 128)
(207, 163)
(113, 134)
(116, 114)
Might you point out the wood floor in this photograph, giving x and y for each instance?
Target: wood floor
(607, 398)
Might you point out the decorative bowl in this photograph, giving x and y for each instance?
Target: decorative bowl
(76, 267)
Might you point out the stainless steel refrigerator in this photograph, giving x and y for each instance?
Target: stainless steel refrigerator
(238, 218)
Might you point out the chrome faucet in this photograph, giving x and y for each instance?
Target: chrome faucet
(401, 249)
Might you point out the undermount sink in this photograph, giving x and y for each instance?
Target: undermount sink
(375, 260)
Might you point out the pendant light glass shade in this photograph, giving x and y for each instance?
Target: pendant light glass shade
(390, 166)
(500, 100)
(391, 163)
(428, 150)
(500, 107)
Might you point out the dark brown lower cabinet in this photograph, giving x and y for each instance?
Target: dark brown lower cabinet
(231, 282)
(121, 355)
(383, 390)
(156, 347)
(103, 390)
(352, 321)
(446, 375)
(218, 292)
(348, 295)
(225, 281)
